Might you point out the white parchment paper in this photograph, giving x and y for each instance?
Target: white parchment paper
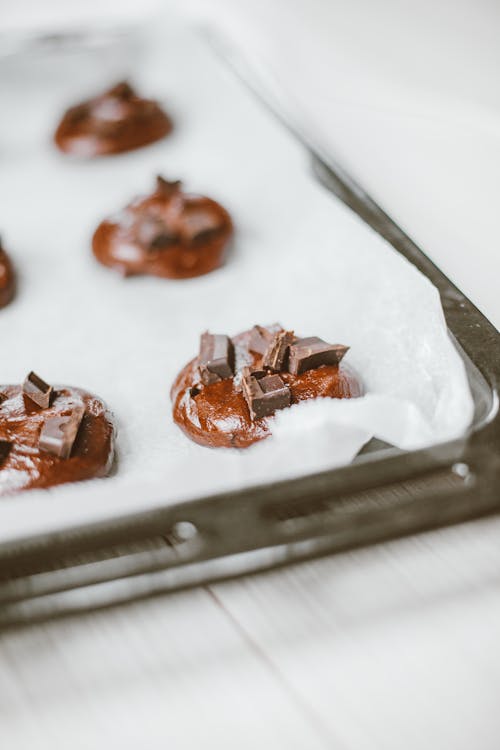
(298, 257)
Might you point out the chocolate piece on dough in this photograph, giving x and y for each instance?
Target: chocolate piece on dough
(195, 390)
(122, 90)
(59, 433)
(5, 446)
(162, 240)
(216, 358)
(33, 460)
(264, 394)
(312, 352)
(153, 234)
(37, 390)
(167, 188)
(276, 354)
(260, 339)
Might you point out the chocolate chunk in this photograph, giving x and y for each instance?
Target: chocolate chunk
(259, 373)
(162, 240)
(122, 90)
(276, 354)
(206, 235)
(166, 188)
(153, 234)
(216, 358)
(260, 339)
(59, 433)
(37, 390)
(309, 353)
(5, 446)
(264, 395)
(78, 113)
(3, 397)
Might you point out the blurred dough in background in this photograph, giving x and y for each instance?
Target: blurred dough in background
(404, 94)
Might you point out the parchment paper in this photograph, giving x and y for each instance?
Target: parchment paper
(298, 257)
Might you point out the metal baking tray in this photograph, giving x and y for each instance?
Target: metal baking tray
(384, 493)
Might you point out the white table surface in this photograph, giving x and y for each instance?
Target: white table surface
(394, 646)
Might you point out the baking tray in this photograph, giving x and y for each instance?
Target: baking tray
(384, 493)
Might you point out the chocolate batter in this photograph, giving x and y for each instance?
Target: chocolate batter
(7, 279)
(24, 465)
(117, 120)
(218, 415)
(168, 233)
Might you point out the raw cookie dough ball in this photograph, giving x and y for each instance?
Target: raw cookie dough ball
(117, 120)
(49, 436)
(226, 395)
(169, 233)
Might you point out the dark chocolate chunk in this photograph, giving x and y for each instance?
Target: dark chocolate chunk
(259, 373)
(59, 433)
(3, 397)
(5, 446)
(264, 395)
(260, 339)
(276, 354)
(309, 353)
(162, 240)
(206, 235)
(78, 113)
(37, 390)
(272, 384)
(166, 188)
(216, 358)
(153, 234)
(195, 390)
(122, 90)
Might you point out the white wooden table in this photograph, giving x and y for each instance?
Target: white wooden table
(394, 646)
(389, 647)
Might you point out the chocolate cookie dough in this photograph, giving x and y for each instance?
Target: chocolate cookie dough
(49, 436)
(117, 120)
(224, 397)
(7, 278)
(169, 233)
